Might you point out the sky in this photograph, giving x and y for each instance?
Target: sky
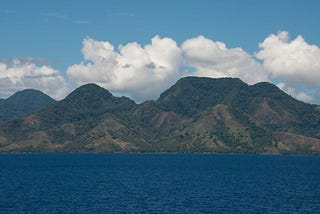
(139, 48)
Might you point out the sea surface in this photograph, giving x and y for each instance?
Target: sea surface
(159, 183)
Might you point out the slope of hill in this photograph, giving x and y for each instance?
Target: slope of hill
(194, 115)
(23, 103)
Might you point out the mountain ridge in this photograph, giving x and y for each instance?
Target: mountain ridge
(194, 115)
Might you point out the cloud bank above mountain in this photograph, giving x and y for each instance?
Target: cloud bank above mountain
(144, 71)
(294, 62)
(214, 59)
(24, 74)
(141, 72)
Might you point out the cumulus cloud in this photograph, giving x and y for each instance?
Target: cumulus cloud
(294, 60)
(143, 72)
(140, 71)
(18, 75)
(213, 59)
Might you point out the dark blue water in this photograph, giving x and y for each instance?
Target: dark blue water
(158, 183)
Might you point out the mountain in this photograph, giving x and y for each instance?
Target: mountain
(242, 118)
(195, 115)
(23, 103)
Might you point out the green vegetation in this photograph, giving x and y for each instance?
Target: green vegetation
(194, 115)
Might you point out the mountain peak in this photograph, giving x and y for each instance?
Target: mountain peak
(188, 78)
(200, 93)
(22, 103)
(89, 92)
(90, 86)
(204, 81)
(267, 86)
(27, 94)
(87, 101)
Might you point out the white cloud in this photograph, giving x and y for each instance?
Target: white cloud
(214, 59)
(141, 72)
(295, 61)
(144, 72)
(19, 75)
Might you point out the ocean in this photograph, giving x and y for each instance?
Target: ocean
(159, 183)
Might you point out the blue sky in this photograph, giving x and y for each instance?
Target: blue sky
(52, 33)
